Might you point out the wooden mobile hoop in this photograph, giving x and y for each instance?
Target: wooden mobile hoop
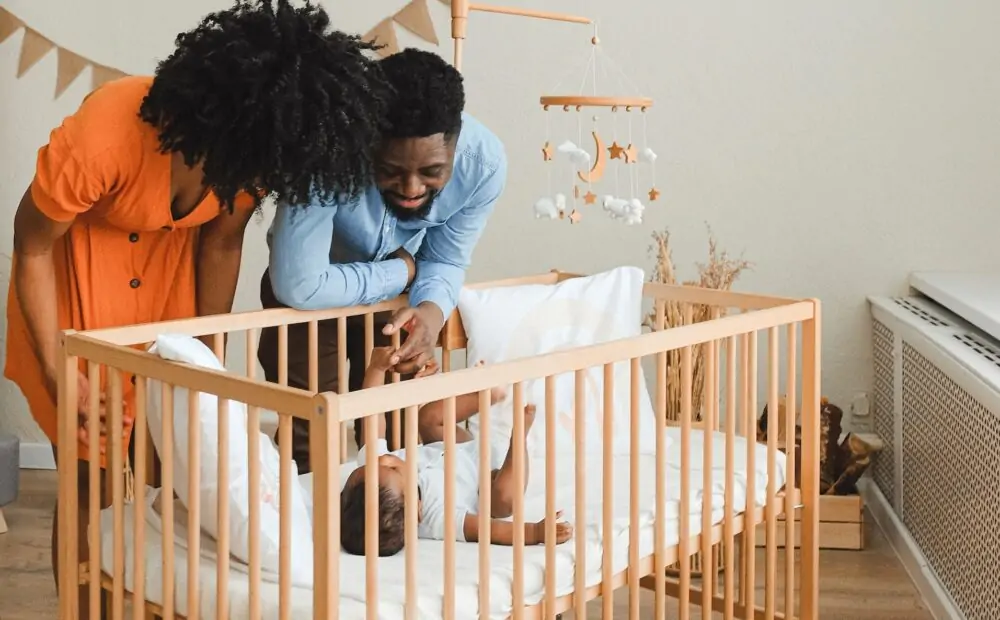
(586, 171)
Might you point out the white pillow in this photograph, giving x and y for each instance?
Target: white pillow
(180, 348)
(506, 323)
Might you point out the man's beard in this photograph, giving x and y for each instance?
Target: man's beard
(409, 214)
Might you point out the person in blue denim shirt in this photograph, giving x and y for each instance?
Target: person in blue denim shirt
(438, 175)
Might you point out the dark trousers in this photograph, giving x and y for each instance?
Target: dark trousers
(298, 363)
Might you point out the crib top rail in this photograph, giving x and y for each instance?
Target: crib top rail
(354, 405)
(452, 337)
(286, 400)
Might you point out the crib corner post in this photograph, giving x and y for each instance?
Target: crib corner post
(67, 468)
(811, 354)
(324, 448)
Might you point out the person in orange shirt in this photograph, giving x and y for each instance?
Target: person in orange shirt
(139, 202)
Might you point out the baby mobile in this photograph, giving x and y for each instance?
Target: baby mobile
(570, 161)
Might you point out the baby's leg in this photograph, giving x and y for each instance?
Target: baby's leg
(431, 417)
(430, 420)
(502, 489)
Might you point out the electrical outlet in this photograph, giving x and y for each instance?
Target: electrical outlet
(861, 413)
(860, 407)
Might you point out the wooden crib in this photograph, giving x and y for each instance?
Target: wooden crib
(633, 556)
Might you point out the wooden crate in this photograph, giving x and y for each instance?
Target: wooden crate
(841, 524)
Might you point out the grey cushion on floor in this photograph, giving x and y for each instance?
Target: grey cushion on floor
(10, 468)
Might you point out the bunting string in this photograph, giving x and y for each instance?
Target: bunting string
(69, 65)
(415, 17)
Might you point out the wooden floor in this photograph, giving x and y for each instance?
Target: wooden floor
(856, 585)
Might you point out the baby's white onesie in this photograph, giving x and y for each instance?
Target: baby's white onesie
(430, 482)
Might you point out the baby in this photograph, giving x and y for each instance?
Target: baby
(431, 480)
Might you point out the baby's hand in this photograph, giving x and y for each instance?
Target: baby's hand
(429, 369)
(536, 531)
(381, 358)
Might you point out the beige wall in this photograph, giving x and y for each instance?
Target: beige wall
(840, 145)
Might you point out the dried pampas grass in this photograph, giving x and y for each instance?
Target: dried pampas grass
(720, 273)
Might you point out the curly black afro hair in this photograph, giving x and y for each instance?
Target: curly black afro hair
(273, 102)
(429, 95)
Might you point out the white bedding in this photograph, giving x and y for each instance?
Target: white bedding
(430, 576)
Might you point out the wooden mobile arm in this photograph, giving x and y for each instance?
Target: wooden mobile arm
(460, 10)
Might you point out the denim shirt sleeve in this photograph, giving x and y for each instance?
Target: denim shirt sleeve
(447, 249)
(302, 275)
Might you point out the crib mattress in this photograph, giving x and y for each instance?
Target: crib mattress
(430, 576)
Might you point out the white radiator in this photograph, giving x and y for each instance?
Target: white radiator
(936, 400)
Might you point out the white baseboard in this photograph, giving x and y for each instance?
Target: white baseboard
(937, 599)
(37, 455)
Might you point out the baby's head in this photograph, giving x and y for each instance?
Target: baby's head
(391, 500)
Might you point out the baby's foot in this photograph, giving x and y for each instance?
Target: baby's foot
(497, 394)
(529, 417)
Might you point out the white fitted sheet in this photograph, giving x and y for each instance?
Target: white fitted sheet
(430, 576)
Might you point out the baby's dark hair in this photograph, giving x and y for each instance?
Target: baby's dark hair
(353, 522)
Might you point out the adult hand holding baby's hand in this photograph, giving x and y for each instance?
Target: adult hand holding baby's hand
(423, 325)
(382, 358)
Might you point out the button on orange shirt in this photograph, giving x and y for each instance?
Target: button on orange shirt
(124, 259)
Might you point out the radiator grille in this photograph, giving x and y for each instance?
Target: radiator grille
(951, 465)
(916, 310)
(883, 470)
(981, 347)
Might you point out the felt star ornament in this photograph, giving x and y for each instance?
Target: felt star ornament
(589, 198)
(654, 194)
(575, 217)
(615, 150)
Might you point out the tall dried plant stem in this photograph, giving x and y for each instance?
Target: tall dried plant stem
(720, 272)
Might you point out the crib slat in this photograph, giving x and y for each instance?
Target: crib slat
(485, 504)
(396, 443)
(550, 497)
(67, 558)
(517, 445)
(790, 523)
(634, 472)
(253, 453)
(166, 497)
(812, 343)
(370, 423)
(580, 527)
(369, 337)
(342, 378)
(219, 347)
(194, 509)
(285, 517)
(115, 429)
(411, 541)
(94, 482)
(729, 542)
(449, 508)
(222, 510)
(771, 554)
(139, 505)
(324, 441)
(607, 568)
(708, 417)
(659, 534)
(748, 584)
(687, 393)
(313, 334)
